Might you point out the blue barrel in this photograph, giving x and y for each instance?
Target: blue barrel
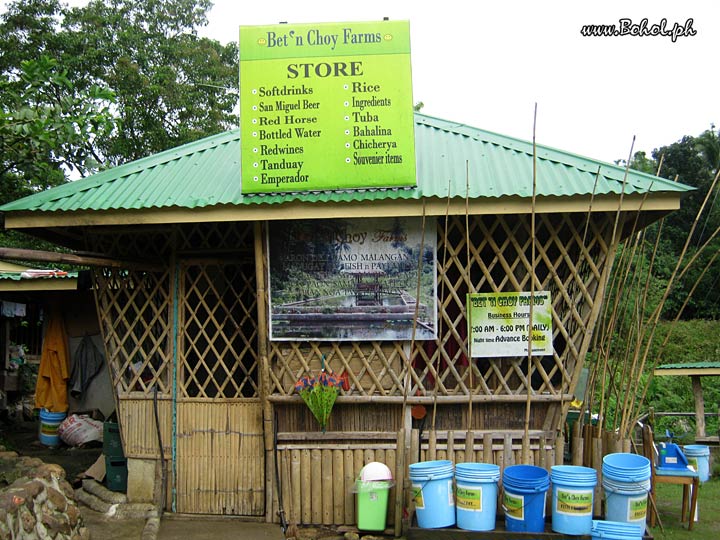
(524, 491)
(698, 456)
(476, 495)
(432, 489)
(626, 483)
(49, 424)
(614, 530)
(572, 502)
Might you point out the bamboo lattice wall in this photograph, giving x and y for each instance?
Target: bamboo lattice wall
(567, 266)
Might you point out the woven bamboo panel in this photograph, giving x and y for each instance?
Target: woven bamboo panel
(501, 448)
(134, 311)
(345, 417)
(218, 345)
(317, 479)
(149, 243)
(136, 417)
(220, 458)
(372, 368)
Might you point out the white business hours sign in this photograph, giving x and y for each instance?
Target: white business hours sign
(499, 324)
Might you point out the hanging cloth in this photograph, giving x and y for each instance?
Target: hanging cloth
(54, 372)
(86, 363)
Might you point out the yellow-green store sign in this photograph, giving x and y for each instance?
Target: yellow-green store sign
(326, 106)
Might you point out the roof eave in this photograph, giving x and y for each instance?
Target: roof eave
(662, 202)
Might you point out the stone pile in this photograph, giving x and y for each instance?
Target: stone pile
(37, 502)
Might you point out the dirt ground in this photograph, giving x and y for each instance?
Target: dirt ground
(22, 436)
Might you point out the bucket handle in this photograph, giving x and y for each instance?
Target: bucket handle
(505, 508)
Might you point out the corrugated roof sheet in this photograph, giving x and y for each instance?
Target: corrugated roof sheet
(690, 365)
(18, 276)
(449, 155)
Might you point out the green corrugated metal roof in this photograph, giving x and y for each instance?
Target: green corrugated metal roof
(690, 365)
(206, 173)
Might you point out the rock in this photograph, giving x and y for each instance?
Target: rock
(56, 499)
(27, 519)
(33, 488)
(350, 535)
(50, 471)
(73, 514)
(57, 523)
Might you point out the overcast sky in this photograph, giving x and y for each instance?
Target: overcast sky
(487, 64)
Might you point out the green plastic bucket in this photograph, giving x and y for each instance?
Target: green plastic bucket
(372, 504)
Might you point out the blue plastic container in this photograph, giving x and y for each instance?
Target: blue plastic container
(626, 483)
(614, 530)
(432, 488)
(671, 457)
(476, 495)
(698, 455)
(49, 424)
(524, 491)
(572, 502)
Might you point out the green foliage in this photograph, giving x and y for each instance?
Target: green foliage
(171, 86)
(48, 128)
(693, 160)
(690, 342)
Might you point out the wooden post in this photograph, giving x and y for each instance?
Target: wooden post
(264, 386)
(487, 448)
(597, 455)
(577, 444)
(699, 406)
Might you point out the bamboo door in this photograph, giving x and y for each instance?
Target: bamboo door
(220, 456)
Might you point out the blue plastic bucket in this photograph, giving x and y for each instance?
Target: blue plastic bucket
(624, 467)
(698, 456)
(614, 530)
(626, 482)
(524, 491)
(476, 495)
(432, 489)
(49, 424)
(572, 502)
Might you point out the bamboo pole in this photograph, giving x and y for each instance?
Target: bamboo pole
(264, 387)
(528, 402)
(677, 273)
(36, 255)
(471, 288)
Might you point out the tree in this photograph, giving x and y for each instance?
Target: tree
(693, 160)
(171, 86)
(47, 130)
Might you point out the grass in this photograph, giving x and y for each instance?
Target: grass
(669, 498)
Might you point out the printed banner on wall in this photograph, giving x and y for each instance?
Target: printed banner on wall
(352, 279)
(326, 106)
(500, 325)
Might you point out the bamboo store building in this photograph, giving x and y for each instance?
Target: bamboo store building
(218, 298)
